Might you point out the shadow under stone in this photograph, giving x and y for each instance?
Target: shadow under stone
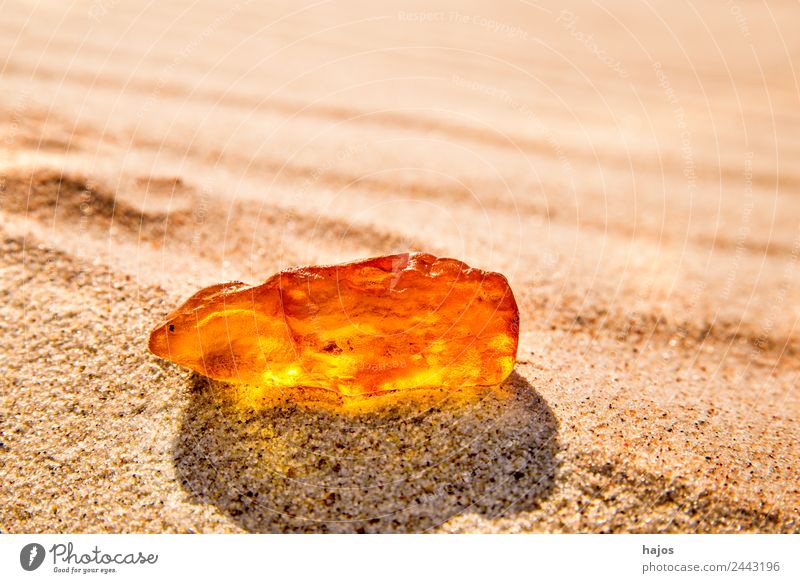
(405, 466)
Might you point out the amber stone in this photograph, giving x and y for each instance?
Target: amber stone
(391, 323)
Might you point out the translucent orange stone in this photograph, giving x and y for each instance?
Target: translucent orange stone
(391, 323)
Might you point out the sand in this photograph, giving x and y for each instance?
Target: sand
(631, 170)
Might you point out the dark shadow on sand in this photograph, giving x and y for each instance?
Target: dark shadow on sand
(406, 466)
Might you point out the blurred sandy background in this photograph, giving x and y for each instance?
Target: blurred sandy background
(632, 168)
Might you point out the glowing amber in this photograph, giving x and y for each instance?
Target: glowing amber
(390, 323)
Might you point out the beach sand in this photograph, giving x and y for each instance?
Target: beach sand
(631, 170)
